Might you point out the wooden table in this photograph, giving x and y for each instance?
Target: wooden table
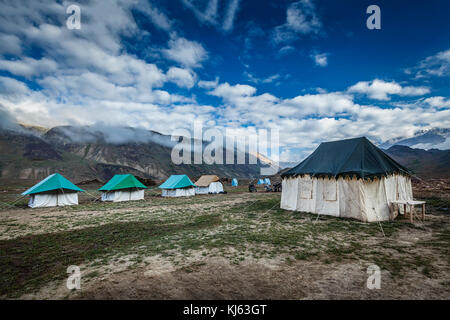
(410, 204)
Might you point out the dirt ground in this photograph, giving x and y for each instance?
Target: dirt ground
(218, 279)
(233, 246)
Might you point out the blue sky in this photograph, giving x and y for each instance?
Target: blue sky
(309, 68)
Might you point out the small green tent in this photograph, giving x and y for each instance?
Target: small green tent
(123, 187)
(178, 185)
(55, 190)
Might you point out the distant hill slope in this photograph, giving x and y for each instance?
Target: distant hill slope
(431, 163)
(83, 153)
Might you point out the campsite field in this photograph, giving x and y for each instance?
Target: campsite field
(238, 245)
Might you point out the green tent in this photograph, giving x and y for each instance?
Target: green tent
(178, 185)
(177, 181)
(349, 157)
(52, 182)
(122, 181)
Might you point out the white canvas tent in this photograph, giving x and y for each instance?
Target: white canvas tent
(178, 186)
(123, 187)
(208, 184)
(55, 190)
(348, 178)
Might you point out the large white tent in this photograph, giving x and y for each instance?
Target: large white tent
(347, 178)
(55, 190)
(208, 184)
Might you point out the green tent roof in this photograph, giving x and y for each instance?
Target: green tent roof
(349, 157)
(177, 181)
(52, 182)
(122, 181)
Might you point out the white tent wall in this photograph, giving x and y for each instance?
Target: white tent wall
(289, 194)
(67, 199)
(182, 192)
(108, 196)
(201, 190)
(306, 195)
(137, 194)
(375, 205)
(123, 195)
(350, 197)
(215, 187)
(327, 201)
(366, 200)
(43, 200)
(53, 199)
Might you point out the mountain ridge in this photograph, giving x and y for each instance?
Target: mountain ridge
(86, 153)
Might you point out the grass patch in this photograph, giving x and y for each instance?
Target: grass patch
(27, 262)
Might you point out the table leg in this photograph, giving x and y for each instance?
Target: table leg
(423, 211)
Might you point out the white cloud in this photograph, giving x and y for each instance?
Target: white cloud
(301, 19)
(436, 65)
(185, 52)
(271, 78)
(28, 67)
(381, 90)
(254, 79)
(209, 84)
(230, 15)
(438, 102)
(231, 92)
(158, 18)
(306, 120)
(209, 12)
(323, 104)
(87, 75)
(9, 86)
(286, 50)
(10, 44)
(321, 59)
(184, 78)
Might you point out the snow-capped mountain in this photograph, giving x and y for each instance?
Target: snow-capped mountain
(438, 138)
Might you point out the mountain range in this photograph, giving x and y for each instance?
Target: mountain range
(437, 138)
(84, 153)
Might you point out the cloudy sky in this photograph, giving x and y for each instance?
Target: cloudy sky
(309, 68)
